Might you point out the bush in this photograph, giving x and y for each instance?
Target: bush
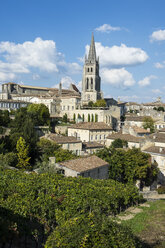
(9, 159)
(161, 190)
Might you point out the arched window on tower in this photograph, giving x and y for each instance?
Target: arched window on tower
(91, 69)
(88, 69)
(91, 83)
(87, 83)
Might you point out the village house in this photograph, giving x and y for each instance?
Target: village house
(90, 131)
(158, 155)
(135, 131)
(133, 141)
(133, 120)
(69, 143)
(92, 166)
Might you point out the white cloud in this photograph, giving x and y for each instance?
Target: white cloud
(106, 28)
(66, 81)
(117, 77)
(146, 81)
(159, 65)
(39, 54)
(36, 76)
(158, 35)
(4, 77)
(156, 91)
(119, 55)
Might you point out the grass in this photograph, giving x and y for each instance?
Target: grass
(149, 225)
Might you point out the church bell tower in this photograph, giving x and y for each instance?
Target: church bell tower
(91, 79)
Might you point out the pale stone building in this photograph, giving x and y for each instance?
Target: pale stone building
(90, 131)
(10, 104)
(134, 121)
(135, 131)
(110, 116)
(158, 155)
(93, 167)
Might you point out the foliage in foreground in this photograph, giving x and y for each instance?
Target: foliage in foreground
(92, 231)
(48, 201)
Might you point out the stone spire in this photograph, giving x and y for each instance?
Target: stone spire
(92, 51)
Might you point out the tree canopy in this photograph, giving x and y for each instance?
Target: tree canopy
(129, 165)
(39, 113)
(148, 122)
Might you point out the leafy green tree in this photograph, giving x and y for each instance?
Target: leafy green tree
(62, 155)
(47, 148)
(160, 109)
(23, 126)
(65, 118)
(74, 117)
(39, 113)
(90, 104)
(129, 166)
(100, 103)
(118, 143)
(22, 153)
(148, 122)
(88, 117)
(8, 159)
(4, 118)
(96, 118)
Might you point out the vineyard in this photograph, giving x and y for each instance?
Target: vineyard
(33, 207)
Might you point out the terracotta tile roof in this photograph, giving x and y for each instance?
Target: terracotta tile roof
(162, 130)
(84, 164)
(158, 137)
(135, 118)
(88, 145)
(59, 139)
(140, 130)
(155, 149)
(127, 137)
(91, 126)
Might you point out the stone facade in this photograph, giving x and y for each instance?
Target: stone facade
(93, 167)
(90, 132)
(91, 80)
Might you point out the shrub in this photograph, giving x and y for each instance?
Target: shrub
(161, 190)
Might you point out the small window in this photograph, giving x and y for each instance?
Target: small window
(91, 69)
(96, 137)
(100, 136)
(91, 137)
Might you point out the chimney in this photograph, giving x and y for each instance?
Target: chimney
(52, 160)
(60, 88)
(160, 149)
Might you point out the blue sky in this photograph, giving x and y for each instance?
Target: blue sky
(43, 42)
